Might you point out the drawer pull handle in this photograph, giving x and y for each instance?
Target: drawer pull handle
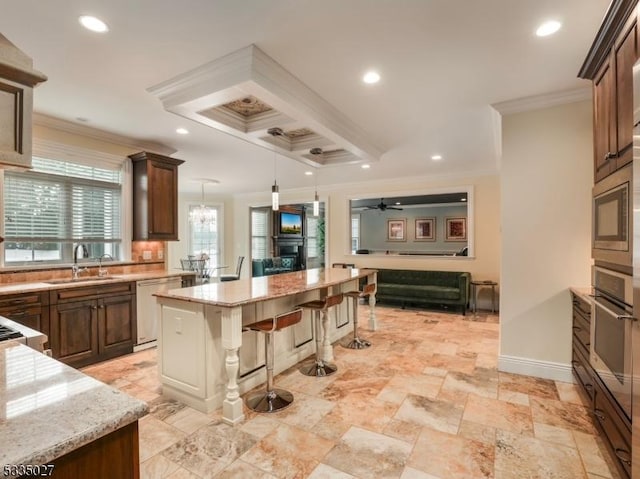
(18, 301)
(624, 456)
(588, 387)
(21, 314)
(574, 362)
(577, 328)
(599, 414)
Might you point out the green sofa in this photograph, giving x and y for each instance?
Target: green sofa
(449, 288)
(277, 265)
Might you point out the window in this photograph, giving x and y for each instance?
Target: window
(56, 204)
(260, 233)
(204, 238)
(355, 233)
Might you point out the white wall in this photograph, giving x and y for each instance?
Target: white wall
(546, 180)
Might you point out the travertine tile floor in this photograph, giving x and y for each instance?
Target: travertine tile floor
(425, 401)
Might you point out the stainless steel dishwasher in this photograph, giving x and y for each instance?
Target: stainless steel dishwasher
(147, 309)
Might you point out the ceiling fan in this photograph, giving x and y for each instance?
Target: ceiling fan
(382, 206)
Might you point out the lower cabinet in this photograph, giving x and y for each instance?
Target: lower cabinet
(613, 424)
(28, 309)
(92, 324)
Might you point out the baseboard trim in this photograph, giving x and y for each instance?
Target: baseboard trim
(534, 367)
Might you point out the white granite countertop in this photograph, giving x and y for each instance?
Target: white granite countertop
(253, 290)
(48, 409)
(34, 286)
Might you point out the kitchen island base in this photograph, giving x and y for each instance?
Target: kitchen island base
(207, 361)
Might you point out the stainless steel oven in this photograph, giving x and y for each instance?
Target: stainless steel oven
(612, 224)
(611, 330)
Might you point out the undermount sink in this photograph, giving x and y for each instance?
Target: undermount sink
(80, 280)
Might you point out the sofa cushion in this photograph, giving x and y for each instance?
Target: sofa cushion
(267, 263)
(287, 262)
(418, 291)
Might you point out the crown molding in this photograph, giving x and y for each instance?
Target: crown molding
(59, 124)
(538, 102)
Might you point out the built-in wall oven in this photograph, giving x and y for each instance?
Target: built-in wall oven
(612, 221)
(611, 330)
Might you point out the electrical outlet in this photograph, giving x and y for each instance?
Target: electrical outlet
(160, 254)
(146, 255)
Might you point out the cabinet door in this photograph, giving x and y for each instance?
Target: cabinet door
(116, 325)
(604, 125)
(163, 201)
(625, 57)
(74, 332)
(16, 103)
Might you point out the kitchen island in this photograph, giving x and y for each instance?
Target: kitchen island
(201, 333)
(56, 419)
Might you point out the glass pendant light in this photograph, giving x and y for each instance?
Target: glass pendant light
(316, 200)
(275, 194)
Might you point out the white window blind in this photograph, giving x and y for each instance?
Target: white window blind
(260, 233)
(56, 204)
(312, 237)
(355, 233)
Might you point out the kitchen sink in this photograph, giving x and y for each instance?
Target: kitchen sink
(82, 279)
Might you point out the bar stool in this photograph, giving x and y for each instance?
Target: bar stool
(272, 399)
(320, 367)
(356, 342)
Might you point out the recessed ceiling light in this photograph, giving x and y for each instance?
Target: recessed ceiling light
(366, 167)
(182, 131)
(436, 157)
(371, 77)
(82, 119)
(94, 24)
(308, 173)
(548, 28)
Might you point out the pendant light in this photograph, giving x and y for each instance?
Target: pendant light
(275, 194)
(201, 214)
(316, 200)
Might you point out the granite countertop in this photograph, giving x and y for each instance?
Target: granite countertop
(49, 409)
(585, 292)
(252, 290)
(34, 286)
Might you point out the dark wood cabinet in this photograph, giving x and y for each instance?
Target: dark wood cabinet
(610, 66)
(155, 197)
(92, 324)
(17, 80)
(29, 309)
(608, 416)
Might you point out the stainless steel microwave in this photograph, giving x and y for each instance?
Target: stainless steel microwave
(612, 213)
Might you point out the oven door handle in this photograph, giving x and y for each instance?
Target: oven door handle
(619, 317)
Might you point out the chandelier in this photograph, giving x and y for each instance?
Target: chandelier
(202, 214)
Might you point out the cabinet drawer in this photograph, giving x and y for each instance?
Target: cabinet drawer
(583, 372)
(617, 433)
(581, 306)
(13, 301)
(581, 331)
(89, 292)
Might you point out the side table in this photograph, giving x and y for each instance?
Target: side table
(475, 288)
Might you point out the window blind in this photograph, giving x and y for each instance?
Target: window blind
(312, 237)
(63, 203)
(259, 233)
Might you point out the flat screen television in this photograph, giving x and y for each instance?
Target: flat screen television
(290, 224)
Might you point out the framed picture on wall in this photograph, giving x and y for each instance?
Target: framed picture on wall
(425, 229)
(396, 230)
(455, 229)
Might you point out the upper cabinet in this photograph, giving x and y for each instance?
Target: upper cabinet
(17, 80)
(155, 197)
(610, 65)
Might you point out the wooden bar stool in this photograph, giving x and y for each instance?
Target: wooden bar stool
(272, 399)
(320, 367)
(356, 342)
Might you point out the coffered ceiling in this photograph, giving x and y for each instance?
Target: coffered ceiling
(442, 65)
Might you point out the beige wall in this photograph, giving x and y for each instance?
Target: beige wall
(546, 179)
(485, 264)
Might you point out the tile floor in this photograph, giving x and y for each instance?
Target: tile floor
(425, 401)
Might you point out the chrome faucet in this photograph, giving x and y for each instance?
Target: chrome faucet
(75, 269)
(103, 272)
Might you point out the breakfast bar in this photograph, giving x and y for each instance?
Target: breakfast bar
(200, 343)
